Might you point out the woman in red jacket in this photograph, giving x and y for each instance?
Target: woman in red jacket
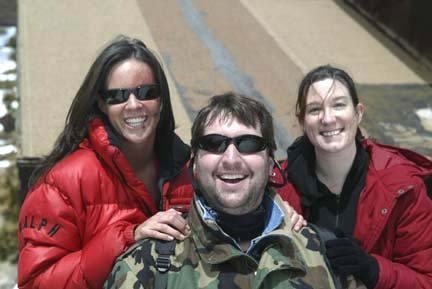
(371, 195)
(117, 174)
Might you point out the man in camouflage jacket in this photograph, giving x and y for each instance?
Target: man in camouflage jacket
(226, 248)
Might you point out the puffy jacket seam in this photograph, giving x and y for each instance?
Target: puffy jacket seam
(82, 272)
(65, 197)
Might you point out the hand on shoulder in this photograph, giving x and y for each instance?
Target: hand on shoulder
(165, 225)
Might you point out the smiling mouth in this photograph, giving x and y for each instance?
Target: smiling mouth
(331, 133)
(136, 122)
(232, 178)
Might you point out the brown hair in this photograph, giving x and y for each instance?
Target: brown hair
(318, 74)
(232, 105)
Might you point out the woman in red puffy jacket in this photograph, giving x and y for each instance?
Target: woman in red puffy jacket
(117, 174)
(371, 195)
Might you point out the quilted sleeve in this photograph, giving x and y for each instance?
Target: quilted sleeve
(53, 253)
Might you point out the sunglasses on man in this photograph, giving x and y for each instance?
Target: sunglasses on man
(245, 144)
(121, 95)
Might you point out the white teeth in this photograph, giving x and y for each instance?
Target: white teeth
(331, 133)
(135, 121)
(231, 177)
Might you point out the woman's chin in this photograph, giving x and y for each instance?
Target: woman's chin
(333, 147)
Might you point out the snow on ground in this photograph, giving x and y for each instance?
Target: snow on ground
(7, 149)
(425, 116)
(6, 65)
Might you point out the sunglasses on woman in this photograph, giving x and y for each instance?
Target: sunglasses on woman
(121, 95)
(245, 144)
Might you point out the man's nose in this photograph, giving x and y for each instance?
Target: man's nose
(231, 154)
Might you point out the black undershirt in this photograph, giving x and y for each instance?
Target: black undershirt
(243, 227)
(326, 209)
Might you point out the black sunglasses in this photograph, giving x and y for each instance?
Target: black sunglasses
(120, 95)
(245, 144)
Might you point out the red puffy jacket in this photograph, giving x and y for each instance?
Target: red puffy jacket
(394, 216)
(81, 217)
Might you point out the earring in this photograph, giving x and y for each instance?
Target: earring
(273, 174)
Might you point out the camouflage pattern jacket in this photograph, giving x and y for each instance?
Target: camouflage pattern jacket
(210, 259)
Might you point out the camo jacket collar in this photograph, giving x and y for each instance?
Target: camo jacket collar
(215, 247)
(274, 218)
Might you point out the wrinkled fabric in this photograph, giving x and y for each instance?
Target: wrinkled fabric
(393, 220)
(81, 216)
(209, 259)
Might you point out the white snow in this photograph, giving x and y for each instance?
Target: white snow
(425, 116)
(7, 149)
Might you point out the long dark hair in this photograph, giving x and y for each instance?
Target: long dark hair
(84, 106)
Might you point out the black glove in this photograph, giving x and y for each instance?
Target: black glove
(348, 258)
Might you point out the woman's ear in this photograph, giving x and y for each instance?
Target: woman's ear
(360, 110)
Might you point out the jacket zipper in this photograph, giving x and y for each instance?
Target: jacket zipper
(337, 210)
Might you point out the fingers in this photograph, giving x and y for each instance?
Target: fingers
(338, 242)
(154, 234)
(347, 269)
(341, 247)
(297, 220)
(152, 229)
(174, 219)
(344, 261)
(335, 252)
(343, 243)
(166, 225)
